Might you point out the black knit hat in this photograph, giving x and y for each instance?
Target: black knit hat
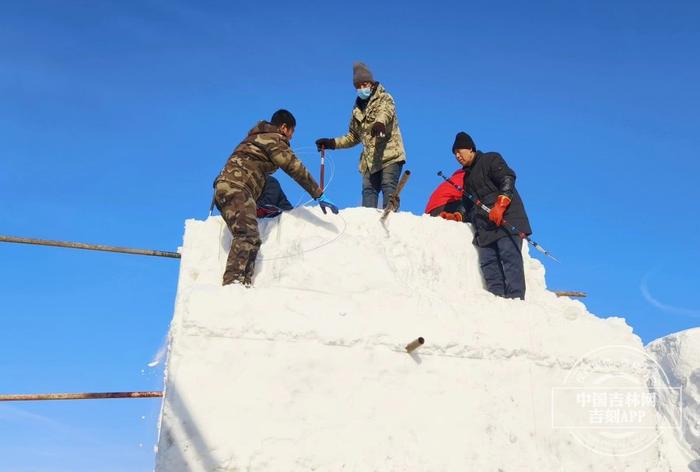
(463, 141)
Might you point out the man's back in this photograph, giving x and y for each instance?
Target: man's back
(252, 160)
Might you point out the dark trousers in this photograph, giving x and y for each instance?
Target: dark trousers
(502, 267)
(384, 181)
(272, 194)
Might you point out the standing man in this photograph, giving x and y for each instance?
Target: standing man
(488, 178)
(240, 183)
(374, 124)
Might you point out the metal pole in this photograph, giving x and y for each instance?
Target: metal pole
(77, 396)
(91, 247)
(213, 203)
(323, 167)
(486, 209)
(560, 293)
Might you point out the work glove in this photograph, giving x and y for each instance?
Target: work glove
(496, 213)
(378, 129)
(456, 216)
(328, 143)
(325, 203)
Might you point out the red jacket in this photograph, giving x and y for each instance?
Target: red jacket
(446, 193)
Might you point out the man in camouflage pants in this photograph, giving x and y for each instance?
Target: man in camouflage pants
(374, 124)
(240, 183)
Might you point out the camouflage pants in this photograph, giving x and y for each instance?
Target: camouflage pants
(238, 208)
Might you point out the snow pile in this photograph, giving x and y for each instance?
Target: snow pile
(308, 371)
(679, 357)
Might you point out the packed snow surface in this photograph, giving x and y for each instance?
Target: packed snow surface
(308, 370)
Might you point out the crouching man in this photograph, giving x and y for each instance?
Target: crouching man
(240, 184)
(488, 178)
(272, 200)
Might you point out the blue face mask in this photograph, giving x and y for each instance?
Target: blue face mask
(364, 93)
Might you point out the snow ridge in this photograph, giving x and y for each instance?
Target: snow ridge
(307, 370)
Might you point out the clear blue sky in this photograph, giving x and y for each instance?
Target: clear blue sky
(116, 116)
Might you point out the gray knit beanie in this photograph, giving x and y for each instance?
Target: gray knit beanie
(360, 73)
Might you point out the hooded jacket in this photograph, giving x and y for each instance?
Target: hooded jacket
(445, 193)
(260, 154)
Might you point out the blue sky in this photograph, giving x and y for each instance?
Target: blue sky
(116, 116)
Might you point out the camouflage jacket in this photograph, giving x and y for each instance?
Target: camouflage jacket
(378, 152)
(260, 154)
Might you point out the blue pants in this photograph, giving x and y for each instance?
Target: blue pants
(385, 181)
(272, 194)
(502, 266)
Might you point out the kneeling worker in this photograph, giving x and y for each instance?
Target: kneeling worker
(240, 183)
(272, 200)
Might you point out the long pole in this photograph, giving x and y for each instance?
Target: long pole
(513, 229)
(90, 247)
(77, 396)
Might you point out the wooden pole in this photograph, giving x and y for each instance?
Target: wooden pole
(77, 396)
(91, 247)
(415, 344)
(394, 198)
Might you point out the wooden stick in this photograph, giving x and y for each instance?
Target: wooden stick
(415, 344)
(393, 199)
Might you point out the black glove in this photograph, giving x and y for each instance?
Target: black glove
(378, 129)
(328, 143)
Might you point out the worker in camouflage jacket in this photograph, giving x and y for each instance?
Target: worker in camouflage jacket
(240, 184)
(374, 124)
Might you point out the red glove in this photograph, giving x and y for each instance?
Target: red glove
(496, 213)
(456, 216)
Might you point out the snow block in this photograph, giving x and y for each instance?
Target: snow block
(308, 369)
